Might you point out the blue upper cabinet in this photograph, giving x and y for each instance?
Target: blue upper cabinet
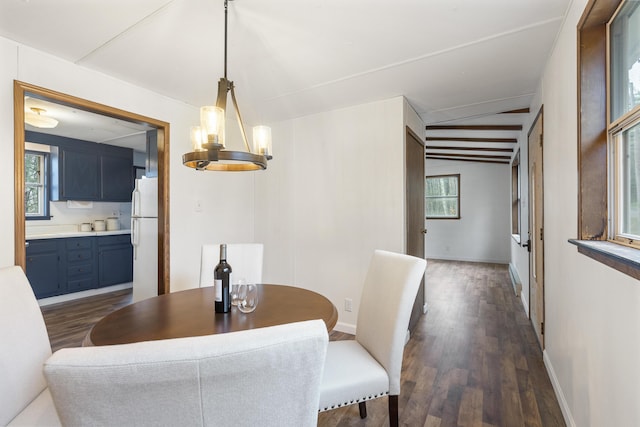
(82, 170)
(78, 175)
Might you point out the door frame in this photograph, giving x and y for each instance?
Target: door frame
(536, 233)
(419, 305)
(20, 89)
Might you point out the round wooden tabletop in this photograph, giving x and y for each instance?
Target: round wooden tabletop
(190, 313)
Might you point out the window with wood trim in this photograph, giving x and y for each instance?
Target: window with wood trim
(36, 183)
(515, 195)
(443, 197)
(623, 40)
(595, 215)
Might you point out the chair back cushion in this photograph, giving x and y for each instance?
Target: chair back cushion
(25, 344)
(266, 377)
(245, 260)
(388, 295)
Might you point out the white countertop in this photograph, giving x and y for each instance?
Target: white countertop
(64, 234)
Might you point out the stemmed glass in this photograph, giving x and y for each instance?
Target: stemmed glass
(234, 290)
(247, 297)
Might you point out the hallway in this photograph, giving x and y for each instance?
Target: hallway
(473, 359)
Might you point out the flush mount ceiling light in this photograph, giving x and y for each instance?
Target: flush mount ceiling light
(208, 142)
(34, 117)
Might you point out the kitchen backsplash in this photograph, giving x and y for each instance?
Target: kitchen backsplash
(62, 214)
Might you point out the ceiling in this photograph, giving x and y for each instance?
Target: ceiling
(456, 61)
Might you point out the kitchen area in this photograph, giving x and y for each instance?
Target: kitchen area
(90, 204)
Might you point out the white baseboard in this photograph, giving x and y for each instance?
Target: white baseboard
(347, 328)
(83, 294)
(464, 259)
(525, 304)
(564, 407)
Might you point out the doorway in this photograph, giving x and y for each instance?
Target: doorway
(536, 228)
(23, 90)
(415, 214)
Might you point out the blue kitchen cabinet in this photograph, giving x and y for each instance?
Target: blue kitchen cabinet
(43, 267)
(115, 259)
(86, 171)
(80, 262)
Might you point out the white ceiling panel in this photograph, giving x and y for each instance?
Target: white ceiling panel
(450, 58)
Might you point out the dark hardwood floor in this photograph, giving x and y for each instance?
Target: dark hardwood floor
(473, 359)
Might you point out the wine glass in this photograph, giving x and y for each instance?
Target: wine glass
(234, 290)
(247, 297)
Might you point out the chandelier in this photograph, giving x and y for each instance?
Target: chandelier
(208, 139)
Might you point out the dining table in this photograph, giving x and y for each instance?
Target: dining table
(191, 313)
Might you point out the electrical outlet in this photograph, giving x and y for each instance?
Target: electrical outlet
(348, 304)
(198, 205)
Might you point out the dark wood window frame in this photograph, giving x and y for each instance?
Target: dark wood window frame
(592, 143)
(457, 176)
(515, 197)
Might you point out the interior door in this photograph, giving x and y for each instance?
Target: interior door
(536, 230)
(415, 215)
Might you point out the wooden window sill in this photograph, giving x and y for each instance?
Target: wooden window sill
(619, 257)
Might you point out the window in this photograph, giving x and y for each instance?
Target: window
(443, 197)
(36, 194)
(515, 196)
(623, 125)
(598, 138)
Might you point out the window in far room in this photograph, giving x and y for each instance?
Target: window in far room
(36, 194)
(515, 196)
(443, 197)
(624, 125)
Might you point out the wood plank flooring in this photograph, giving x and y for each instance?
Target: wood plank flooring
(473, 359)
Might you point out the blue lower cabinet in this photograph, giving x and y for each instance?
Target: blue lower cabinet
(61, 266)
(43, 268)
(115, 260)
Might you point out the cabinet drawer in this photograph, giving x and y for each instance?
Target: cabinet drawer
(117, 239)
(79, 243)
(40, 246)
(79, 255)
(79, 270)
(79, 285)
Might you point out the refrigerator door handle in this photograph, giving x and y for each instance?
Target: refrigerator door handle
(135, 236)
(135, 203)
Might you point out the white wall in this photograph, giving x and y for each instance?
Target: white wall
(483, 232)
(227, 199)
(592, 312)
(334, 193)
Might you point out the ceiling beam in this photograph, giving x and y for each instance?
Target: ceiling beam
(518, 111)
(474, 127)
(503, 150)
(468, 160)
(479, 156)
(471, 139)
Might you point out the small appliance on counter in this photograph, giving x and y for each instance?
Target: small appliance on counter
(113, 224)
(85, 226)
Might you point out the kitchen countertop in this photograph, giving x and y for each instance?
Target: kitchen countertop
(67, 234)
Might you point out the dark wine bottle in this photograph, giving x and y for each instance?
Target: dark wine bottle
(222, 280)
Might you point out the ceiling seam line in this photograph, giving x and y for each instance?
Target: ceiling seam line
(416, 58)
(121, 33)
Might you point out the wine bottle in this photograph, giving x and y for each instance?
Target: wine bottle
(222, 278)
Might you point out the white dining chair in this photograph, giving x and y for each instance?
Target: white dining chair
(369, 366)
(258, 377)
(24, 397)
(245, 260)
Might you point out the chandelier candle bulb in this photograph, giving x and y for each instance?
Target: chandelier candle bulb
(212, 124)
(198, 138)
(262, 140)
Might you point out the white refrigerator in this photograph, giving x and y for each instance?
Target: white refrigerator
(144, 238)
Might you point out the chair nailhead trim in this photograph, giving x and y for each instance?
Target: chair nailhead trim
(364, 399)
